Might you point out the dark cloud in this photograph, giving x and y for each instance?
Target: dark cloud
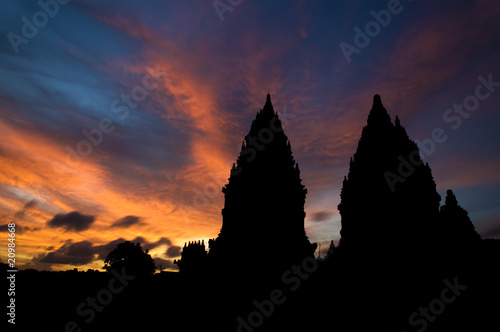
(84, 252)
(141, 240)
(5, 227)
(37, 265)
(103, 250)
(18, 217)
(174, 251)
(321, 215)
(72, 221)
(30, 204)
(165, 263)
(158, 243)
(127, 222)
(19, 228)
(79, 253)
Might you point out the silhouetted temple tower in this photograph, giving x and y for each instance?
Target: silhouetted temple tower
(389, 203)
(263, 214)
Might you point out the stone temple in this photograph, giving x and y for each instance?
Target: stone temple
(262, 229)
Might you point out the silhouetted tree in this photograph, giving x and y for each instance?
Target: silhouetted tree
(130, 256)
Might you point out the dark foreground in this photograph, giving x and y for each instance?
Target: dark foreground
(455, 293)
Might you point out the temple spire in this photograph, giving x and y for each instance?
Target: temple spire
(268, 106)
(268, 101)
(378, 113)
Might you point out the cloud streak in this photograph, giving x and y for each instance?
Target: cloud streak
(127, 222)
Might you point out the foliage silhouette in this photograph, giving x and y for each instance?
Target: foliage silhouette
(131, 257)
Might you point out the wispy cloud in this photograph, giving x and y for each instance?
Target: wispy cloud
(127, 222)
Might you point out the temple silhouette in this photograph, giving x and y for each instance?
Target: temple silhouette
(389, 202)
(263, 214)
(387, 179)
(403, 263)
(398, 247)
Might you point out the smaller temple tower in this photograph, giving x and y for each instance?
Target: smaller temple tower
(193, 258)
(389, 202)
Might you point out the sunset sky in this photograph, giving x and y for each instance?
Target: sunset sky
(120, 120)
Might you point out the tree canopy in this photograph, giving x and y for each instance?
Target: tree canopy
(131, 257)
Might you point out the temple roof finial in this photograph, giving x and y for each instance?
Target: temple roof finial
(451, 199)
(377, 101)
(378, 114)
(268, 107)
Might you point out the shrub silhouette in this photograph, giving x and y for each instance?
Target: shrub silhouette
(131, 257)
